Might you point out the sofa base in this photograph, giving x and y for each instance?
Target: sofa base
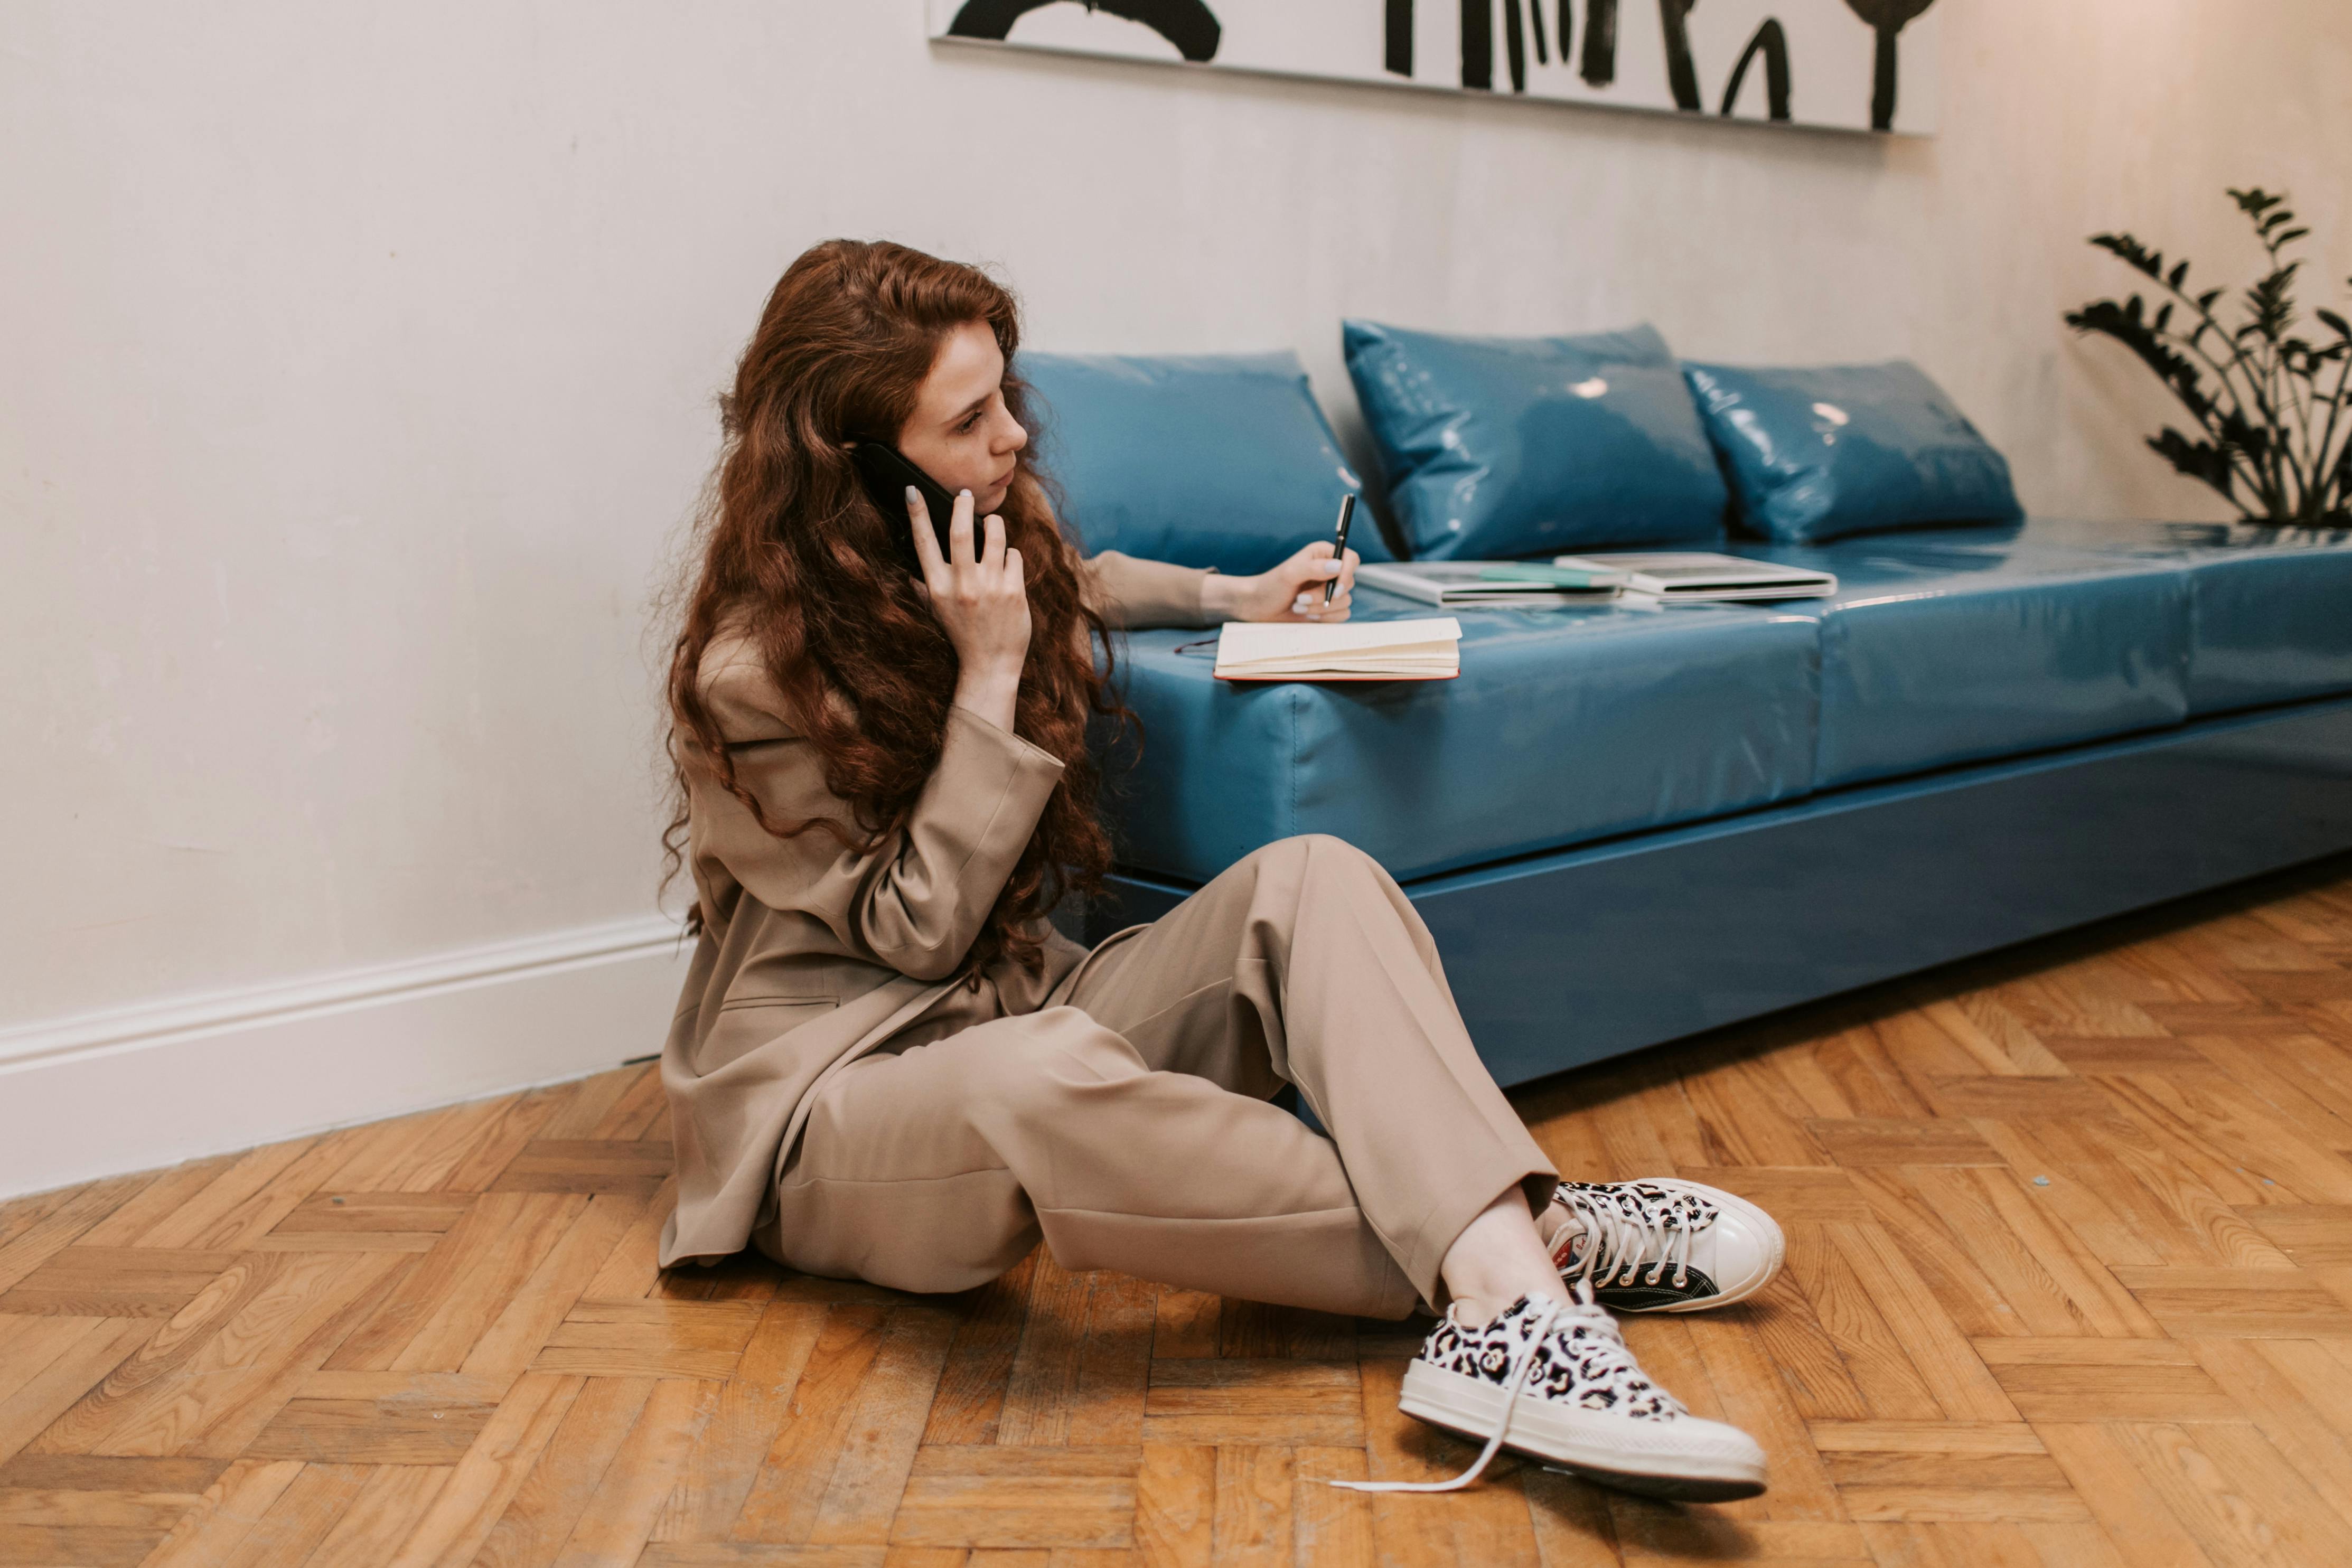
(1573, 957)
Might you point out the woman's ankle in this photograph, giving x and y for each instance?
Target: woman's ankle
(1498, 1260)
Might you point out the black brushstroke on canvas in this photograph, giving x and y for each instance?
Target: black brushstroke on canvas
(1887, 17)
(1599, 64)
(1398, 54)
(1772, 41)
(1194, 30)
(1479, 45)
(1478, 40)
(1189, 24)
(1682, 71)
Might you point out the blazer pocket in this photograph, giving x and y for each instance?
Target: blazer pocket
(737, 1004)
(746, 1023)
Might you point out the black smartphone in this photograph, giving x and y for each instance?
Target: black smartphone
(888, 474)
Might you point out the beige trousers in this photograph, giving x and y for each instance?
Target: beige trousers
(1126, 1120)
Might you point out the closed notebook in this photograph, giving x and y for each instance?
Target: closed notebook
(1682, 576)
(1469, 583)
(1354, 650)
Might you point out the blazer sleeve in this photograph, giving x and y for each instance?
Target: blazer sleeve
(916, 901)
(1134, 594)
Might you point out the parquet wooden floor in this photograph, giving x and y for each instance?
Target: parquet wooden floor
(2070, 1284)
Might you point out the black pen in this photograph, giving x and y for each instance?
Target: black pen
(1339, 542)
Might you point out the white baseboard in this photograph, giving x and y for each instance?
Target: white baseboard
(133, 1088)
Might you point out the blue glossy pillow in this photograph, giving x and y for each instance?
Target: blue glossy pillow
(1505, 446)
(1848, 449)
(1220, 460)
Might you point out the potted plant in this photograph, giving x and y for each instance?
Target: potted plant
(2272, 403)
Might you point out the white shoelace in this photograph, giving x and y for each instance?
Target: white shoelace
(1520, 1365)
(1615, 1242)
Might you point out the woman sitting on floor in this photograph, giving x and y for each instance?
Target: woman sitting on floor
(886, 1064)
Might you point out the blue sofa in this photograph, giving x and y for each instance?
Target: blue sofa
(1625, 825)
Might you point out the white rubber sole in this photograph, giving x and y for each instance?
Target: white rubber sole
(1760, 1222)
(1684, 1461)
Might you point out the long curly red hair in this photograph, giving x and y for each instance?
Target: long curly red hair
(793, 553)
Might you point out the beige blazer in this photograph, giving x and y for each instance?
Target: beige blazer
(812, 955)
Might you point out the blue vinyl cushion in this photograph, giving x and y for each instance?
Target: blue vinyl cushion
(1220, 460)
(2270, 608)
(1565, 726)
(1819, 452)
(1950, 647)
(1505, 446)
(1942, 649)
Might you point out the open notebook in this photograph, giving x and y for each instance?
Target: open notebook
(1353, 651)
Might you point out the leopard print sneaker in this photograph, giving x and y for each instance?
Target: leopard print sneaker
(1554, 1380)
(1664, 1246)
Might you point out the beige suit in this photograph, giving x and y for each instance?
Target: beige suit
(842, 1101)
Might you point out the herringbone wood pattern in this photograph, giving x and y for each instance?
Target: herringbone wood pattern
(2070, 1284)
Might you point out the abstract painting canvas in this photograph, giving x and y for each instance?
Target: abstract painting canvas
(1864, 65)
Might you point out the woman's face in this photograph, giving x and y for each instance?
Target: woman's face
(961, 432)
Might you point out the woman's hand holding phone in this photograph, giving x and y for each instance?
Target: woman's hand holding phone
(981, 600)
(1290, 591)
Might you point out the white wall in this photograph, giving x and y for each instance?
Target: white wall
(356, 366)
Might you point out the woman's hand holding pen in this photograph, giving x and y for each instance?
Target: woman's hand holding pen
(981, 600)
(1290, 591)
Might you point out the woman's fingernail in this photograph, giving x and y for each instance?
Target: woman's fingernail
(965, 494)
(913, 495)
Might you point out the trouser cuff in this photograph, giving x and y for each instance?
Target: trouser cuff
(1463, 1201)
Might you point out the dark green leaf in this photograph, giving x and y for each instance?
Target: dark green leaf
(2130, 250)
(2110, 320)
(2203, 460)
(2261, 416)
